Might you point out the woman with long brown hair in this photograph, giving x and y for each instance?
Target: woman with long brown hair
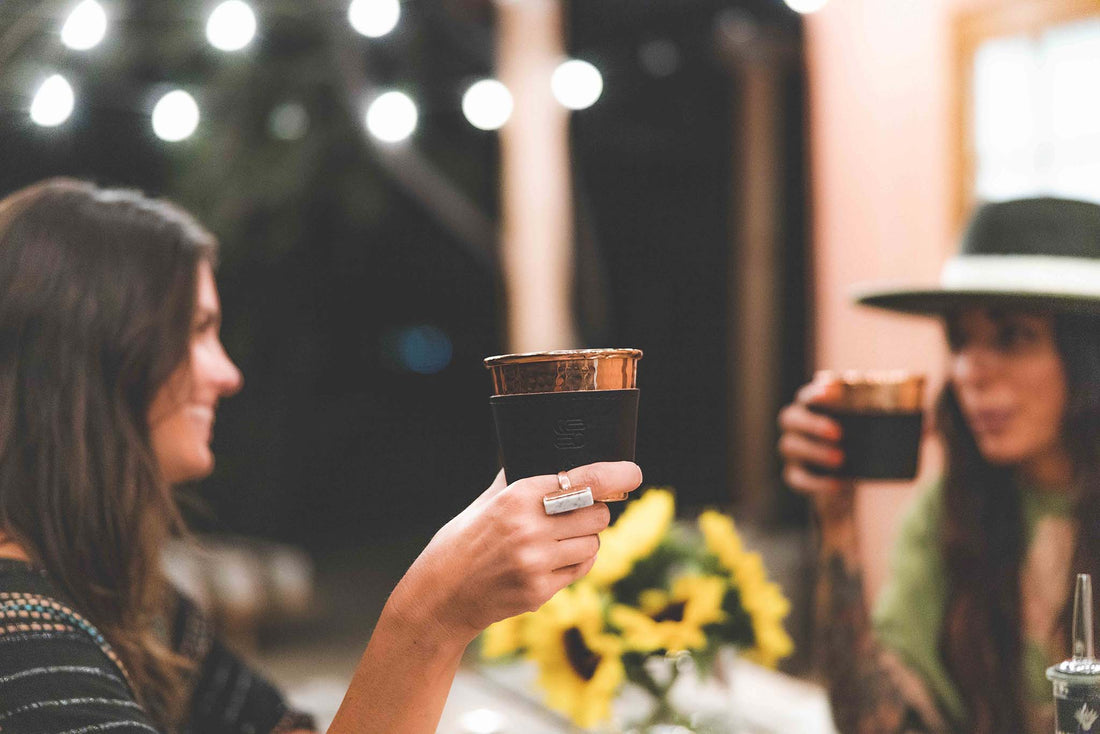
(978, 602)
(111, 370)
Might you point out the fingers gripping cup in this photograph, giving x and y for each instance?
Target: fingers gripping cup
(881, 418)
(555, 411)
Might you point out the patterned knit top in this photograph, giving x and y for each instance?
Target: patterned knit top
(58, 675)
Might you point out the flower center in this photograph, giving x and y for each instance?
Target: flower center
(580, 656)
(674, 612)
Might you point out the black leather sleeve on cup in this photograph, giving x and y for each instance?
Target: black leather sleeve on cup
(876, 445)
(544, 433)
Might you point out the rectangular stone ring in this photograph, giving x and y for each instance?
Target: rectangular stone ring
(560, 502)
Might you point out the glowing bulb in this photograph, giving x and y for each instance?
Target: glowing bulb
(392, 117)
(175, 116)
(487, 104)
(85, 27)
(231, 26)
(374, 18)
(805, 6)
(53, 102)
(576, 84)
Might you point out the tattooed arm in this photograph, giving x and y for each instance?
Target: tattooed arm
(871, 690)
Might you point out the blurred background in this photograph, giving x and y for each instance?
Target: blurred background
(402, 188)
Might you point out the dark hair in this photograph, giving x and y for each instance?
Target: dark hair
(97, 292)
(982, 640)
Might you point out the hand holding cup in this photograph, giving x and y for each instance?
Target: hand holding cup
(811, 439)
(852, 425)
(558, 410)
(503, 555)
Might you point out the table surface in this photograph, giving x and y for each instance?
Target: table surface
(763, 701)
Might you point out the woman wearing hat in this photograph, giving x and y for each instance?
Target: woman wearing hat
(977, 605)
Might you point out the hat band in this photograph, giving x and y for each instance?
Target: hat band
(1025, 274)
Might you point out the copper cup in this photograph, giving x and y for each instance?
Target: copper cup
(558, 410)
(881, 418)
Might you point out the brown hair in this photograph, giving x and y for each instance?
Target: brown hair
(97, 291)
(982, 640)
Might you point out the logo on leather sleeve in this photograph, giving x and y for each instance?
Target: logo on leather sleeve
(569, 434)
(1086, 717)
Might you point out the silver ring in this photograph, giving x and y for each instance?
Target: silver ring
(563, 482)
(560, 502)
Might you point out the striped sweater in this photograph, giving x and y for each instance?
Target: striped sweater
(58, 675)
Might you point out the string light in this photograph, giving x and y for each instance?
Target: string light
(231, 26)
(85, 27)
(53, 102)
(806, 6)
(175, 116)
(487, 104)
(576, 84)
(392, 117)
(374, 18)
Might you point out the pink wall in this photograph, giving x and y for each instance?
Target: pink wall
(881, 139)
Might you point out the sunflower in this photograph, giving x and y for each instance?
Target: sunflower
(634, 536)
(672, 621)
(505, 637)
(761, 599)
(766, 606)
(721, 538)
(580, 664)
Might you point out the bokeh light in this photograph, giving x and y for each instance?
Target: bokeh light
(576, 84)
(659, 58)
(806, 6)
(231, 26)
(175, 116)
(53, 102)
(392, 117)
(85, 27)
(288, 121)
(487, 104)
(374, 18)
(423, 349)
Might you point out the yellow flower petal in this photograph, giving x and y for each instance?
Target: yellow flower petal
(672, 621)
(635, 535)
(721, 538)
(580, 665)
(504, 637)
(761, 599)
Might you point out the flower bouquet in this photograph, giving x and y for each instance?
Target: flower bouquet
(659, 594)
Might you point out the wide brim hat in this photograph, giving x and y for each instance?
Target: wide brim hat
(1038, 254)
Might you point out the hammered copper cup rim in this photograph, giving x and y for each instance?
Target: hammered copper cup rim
(559, 355)
(564, 370)
(887, 390)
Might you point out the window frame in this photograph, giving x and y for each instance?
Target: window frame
(973, 28)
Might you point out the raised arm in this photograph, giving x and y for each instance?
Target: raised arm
(500, 557)
(870, 690)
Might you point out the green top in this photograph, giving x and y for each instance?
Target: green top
(909, 612)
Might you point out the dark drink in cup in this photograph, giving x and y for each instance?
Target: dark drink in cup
(881, 419)
(558, 410)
